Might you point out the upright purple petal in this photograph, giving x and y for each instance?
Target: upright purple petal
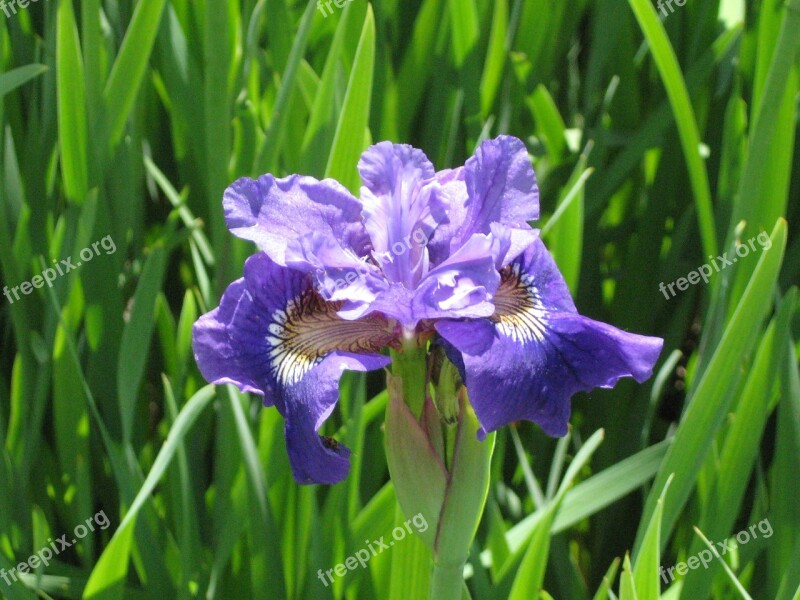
(277, 213)
(535, 352)
(495, 193)
(501, 186)
(453, 190)
(273, 335)
(401, 209)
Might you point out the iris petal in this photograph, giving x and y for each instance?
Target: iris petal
(535, 352)
(401, 208)
(276, 213)
(501, 185)
(496, 194)
(275, 336)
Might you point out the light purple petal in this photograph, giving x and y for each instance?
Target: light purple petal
(501, 185)
(274, 213)
(402, 207)
(494, 193)
(462, 286)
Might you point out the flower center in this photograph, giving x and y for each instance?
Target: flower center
(519, 312)
(308, 329)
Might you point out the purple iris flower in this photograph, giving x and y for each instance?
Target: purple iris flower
(526, 360)
(338, 279)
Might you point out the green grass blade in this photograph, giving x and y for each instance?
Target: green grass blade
(129, 67)
(117, 549)
(265, 161)
(646, 568)
(18, 77)
(136, 336)
(464, 27)
(72, 122)
(669, 69)
(348, 143)
(107, 581)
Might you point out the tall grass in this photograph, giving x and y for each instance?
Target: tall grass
(659, 143)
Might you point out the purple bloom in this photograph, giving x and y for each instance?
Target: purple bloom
(338, 279)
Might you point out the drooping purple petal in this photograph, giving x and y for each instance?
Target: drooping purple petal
(536, 351)
(316, 459)
(273, 335)
(276, 213)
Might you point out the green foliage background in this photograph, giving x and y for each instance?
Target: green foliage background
(656, 145)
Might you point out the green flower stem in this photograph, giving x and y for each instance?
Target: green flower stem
(447, 582)
(410, 365)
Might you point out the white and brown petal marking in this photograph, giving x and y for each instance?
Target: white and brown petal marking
(519, 314)
(308, 329)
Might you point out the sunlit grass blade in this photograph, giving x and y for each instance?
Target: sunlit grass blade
(118, 548)
(72, 121)
(129, 67)
(608, 581)
(669, 69)
(741, 446)
(348, 143)
(464, 26)
(627, 586)
(646, 567)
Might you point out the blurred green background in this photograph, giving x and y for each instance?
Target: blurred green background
(661, 137)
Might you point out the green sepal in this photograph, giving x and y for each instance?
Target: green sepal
(417, 470)
(467, 488)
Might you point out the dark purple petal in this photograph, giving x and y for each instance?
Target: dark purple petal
(273, 335)
(227, 354)
(536, 352)
(276, 213)
(307, 405)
